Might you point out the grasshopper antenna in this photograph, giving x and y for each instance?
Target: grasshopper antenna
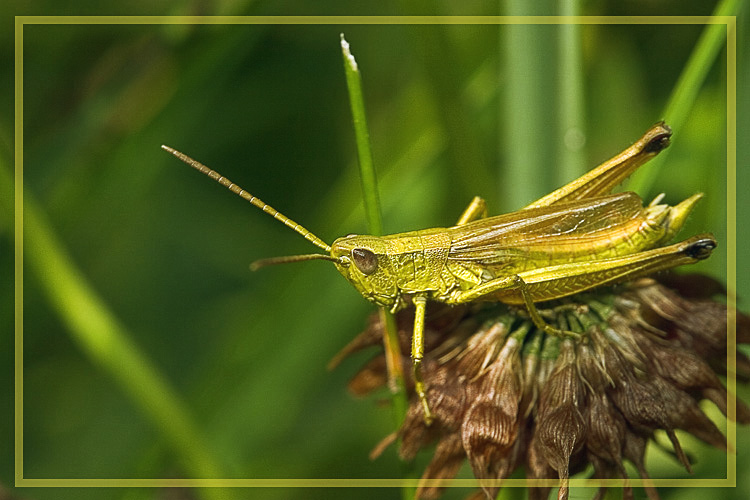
(298, 228)
(272, 261)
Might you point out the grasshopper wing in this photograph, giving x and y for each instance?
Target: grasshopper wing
(567, 232)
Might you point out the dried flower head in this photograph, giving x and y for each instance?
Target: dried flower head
(507, 396)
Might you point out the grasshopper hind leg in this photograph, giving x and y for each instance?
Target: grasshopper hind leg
(516, 283)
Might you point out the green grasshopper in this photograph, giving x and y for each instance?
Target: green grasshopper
(574, 239)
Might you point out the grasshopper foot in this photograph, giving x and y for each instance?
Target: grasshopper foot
(421, 393)
(556, 332)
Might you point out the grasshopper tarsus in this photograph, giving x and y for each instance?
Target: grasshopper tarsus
(420, 390)
(562, 334)
(551, 330)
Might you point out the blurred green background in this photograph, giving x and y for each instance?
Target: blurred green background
(454, 111)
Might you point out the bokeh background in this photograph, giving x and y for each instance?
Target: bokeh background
(508, 113)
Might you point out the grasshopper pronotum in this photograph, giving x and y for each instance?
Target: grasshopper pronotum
(574, 239)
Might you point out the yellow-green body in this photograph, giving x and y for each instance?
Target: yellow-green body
(445, 263)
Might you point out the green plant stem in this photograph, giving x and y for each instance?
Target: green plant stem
(100, 335)
(396, 381)
(362, 136)
(685, 91)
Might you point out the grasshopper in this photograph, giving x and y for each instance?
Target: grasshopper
(576, 238)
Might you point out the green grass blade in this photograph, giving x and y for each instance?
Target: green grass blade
(362, 135)
(571, 119)
(396, 381)
(527, 116)
(688, 85)
(108, 344)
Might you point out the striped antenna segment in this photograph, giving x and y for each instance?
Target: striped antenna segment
(252, 199)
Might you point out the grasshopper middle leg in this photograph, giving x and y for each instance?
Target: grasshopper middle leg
(477, 209)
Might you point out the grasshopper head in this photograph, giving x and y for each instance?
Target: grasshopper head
(363, 261)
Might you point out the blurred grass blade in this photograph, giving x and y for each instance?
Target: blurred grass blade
(527, 115)
(685, 92)
(571, 134)
(109, 345)
(441, 57)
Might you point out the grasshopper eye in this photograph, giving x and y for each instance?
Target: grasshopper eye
(365, 260)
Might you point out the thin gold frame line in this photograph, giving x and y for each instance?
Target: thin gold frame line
(395, 20)
(729, 21)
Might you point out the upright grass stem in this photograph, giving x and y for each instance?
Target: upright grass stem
(362, 136)
(368, 178)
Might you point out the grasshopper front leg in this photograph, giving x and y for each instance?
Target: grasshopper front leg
(477, 209)
(417, 353)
